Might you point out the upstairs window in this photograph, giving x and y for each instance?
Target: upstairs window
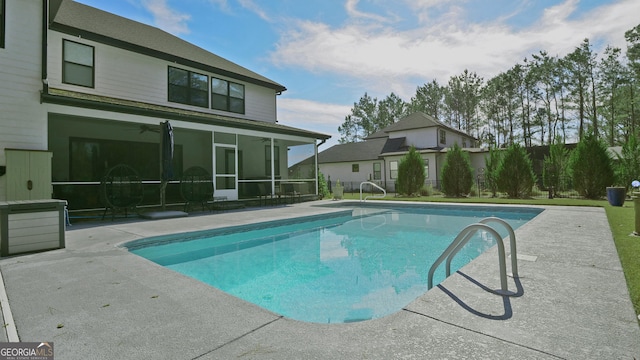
(227, 96)
(443, 137)
(2, 16)
(187, 87)
(77, 64)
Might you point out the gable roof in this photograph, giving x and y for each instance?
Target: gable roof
(416, 120)
(377, 134)
(77, 19)
(358, 151)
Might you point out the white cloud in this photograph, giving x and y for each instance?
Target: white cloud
(350, 7)
(166, 18)
(385, 59)
(422, 9)
(255, 8)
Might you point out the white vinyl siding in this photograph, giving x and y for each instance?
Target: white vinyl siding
(420, 138)
(344, 173)
(430, 137)
(127, 75)
(23, 122)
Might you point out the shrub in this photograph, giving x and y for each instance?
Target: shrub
(628, 166)
(426, 190)
(490, 175)
(515, 173)
(474, 190)
(457, 174)
(410, 173)
(591, 168)
(554, 168)
(323, 188)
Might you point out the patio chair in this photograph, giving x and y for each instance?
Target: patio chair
(121, 189)
(196, 186)
(265, 195)
(288, 191)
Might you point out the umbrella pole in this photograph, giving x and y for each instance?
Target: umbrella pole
(163, 183)
(166, 145)
(163, 200)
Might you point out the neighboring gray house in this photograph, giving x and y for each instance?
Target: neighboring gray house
(376, 159)
(83, 90)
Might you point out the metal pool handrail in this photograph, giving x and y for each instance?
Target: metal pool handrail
(512, 245)
(372, 196)
(464, 236)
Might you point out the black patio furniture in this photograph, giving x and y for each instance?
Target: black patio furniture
(196, 186)
(121, 189)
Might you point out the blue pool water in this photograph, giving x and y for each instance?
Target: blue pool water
(354, 265)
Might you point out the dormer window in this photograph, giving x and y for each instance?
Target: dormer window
(77, 64)
(227, 96)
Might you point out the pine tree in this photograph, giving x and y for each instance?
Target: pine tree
(457, 174)
(410, 173)
(515, 173)
(591, 168)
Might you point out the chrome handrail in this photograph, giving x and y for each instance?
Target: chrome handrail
(372, 196)
(465, 235)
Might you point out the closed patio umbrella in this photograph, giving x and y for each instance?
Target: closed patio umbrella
(166, 159)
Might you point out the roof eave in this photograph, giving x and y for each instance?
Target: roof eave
(47, 97)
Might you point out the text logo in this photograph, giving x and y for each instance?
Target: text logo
(26, 351)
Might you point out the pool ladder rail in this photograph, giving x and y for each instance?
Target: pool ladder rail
(379, 196)
(465, 235)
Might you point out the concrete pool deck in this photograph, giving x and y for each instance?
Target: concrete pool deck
(95, 300)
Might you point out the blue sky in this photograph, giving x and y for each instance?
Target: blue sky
(328, 53)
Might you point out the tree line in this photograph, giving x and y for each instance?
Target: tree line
(541, 101)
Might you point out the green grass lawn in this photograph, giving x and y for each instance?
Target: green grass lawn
(621, 221)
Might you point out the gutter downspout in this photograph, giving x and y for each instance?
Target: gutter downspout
(318, 167)
(45, 28)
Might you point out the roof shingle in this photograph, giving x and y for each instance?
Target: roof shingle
(358, 151)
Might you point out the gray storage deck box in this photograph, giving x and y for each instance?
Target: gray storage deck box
(31, 225)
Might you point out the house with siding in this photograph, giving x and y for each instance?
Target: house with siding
(376, 159)
(83, 90)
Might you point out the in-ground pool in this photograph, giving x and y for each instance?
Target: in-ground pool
(351, 265)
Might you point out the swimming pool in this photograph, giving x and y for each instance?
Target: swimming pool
(352, 265)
